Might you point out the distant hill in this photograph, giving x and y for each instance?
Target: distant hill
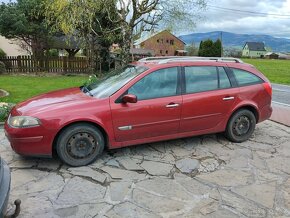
(238, 40)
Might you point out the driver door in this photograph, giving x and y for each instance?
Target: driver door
(157, 111)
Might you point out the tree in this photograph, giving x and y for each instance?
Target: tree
(125, 19)
(200, 50)
(89, 22)
(232, 52)
(208, 48)
(192, 50)
(24, 21)
(217, 46)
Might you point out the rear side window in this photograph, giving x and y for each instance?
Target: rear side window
(246, 78)
(200, 79)
(224, 80)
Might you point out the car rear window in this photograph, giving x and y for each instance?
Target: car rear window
(244, 78)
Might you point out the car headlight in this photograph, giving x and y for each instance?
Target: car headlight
(23, 121)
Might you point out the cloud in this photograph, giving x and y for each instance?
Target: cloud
(217, 19)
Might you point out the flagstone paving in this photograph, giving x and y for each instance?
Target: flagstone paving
(205, 176)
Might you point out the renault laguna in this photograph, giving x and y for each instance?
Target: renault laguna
(151, 100)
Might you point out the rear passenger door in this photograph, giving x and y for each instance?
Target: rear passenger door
(208, 97)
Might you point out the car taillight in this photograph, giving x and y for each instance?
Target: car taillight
(268, 87)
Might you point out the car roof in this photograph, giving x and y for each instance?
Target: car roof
(169, 61)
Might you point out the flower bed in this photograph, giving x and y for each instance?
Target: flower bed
(5, 109)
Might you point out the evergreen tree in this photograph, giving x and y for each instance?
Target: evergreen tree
(217, 48)
(200, 50)
(208, 48)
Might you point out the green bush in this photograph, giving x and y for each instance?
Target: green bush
(52, 53)
(2, 67)
(2, 53)
(5, 109)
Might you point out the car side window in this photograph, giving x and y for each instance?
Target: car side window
(200, 79)
(224, 79)
(245, 78)
(158, 84)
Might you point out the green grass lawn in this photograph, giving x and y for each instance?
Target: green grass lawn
(277, 71)
(24, 87)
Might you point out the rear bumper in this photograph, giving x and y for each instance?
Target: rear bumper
(265, 113)
(5, 180)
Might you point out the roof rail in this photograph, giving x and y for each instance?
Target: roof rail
(166, 59)
(157, 58)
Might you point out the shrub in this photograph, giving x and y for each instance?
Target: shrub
(5, 109)
(52, 53)
(2, 67)
(2, 53)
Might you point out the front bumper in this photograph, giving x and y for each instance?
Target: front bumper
(5, 180)
(34, 141)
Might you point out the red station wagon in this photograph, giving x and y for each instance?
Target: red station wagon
(151, 100)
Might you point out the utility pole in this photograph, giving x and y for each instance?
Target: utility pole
(221, 43)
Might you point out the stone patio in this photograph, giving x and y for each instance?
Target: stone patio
(204, 176)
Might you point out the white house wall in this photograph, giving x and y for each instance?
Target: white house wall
(11, 48)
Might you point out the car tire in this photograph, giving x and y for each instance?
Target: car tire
(80, 144)
(241, 126)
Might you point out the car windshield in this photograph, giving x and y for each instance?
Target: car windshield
(113, 81)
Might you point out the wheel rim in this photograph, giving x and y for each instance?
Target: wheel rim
(241, 126)
(81, 145)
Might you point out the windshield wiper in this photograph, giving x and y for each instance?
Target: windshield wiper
(86, 90)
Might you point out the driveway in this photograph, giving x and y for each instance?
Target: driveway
(203, 176)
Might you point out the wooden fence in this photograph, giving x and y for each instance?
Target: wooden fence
(61, 65)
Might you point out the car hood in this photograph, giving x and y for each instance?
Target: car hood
(51, 101)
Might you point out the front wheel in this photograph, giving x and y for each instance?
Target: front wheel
(241, 126)
(80, 144)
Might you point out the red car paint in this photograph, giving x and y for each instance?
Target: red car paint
(198, 113)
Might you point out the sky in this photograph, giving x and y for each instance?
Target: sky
(271, 17)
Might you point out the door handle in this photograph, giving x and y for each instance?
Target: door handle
(228, 98)
(171, 105)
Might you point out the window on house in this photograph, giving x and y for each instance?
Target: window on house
(171, 42)
(160, 51)
(157, 40)
(167, 41)
(166, 52)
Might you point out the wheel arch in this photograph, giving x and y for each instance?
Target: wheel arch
(103, 131)
(251, 108)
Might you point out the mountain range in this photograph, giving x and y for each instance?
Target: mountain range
(239, 40)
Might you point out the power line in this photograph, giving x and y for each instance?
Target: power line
(249, 12)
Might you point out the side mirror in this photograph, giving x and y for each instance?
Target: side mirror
(129, 98)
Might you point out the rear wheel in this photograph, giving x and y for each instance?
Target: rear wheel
(80, 144)
(241, 126)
